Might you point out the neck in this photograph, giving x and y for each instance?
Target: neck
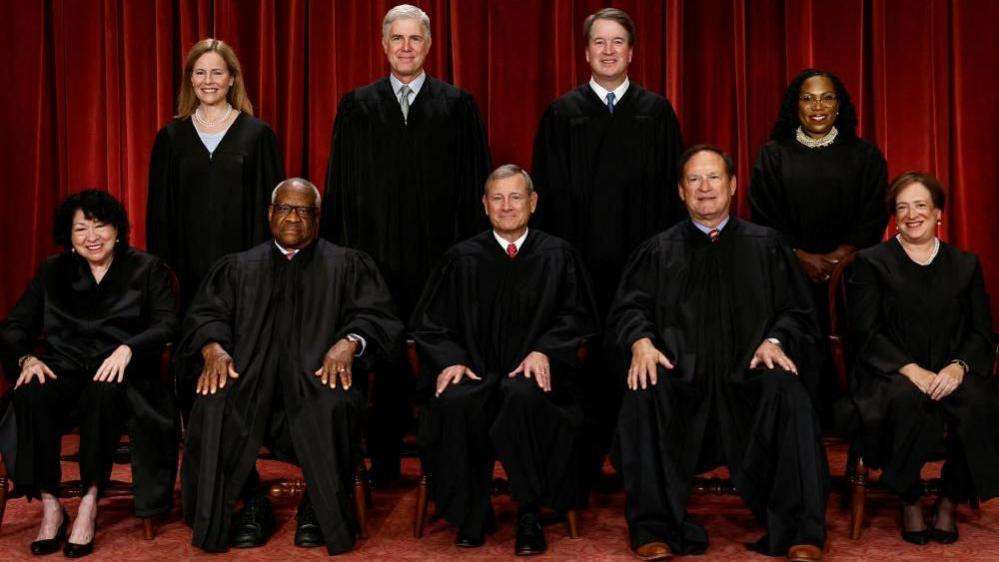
(918, 244)
(511, 236)
(610, 84)
(712, 222)
(408, 79)
(215, 110)
(98, 269)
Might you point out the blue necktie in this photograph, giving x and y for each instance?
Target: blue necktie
(610, 102)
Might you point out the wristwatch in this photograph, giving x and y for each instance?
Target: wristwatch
(353, 338)
(962, 364)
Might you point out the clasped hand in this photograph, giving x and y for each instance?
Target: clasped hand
(935, 385)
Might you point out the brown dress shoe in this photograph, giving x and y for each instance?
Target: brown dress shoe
(804, 553)
(654, 551)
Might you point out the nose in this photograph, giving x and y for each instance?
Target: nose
(406, 45)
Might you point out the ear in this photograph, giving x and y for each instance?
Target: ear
(385, 45)
(679, 189)
(485, 204)
(430, 42)
(731, 189)
(534, 201)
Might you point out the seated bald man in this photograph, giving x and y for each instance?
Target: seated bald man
(273, 338)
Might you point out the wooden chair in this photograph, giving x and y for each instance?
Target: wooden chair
(857, 472)
(499, 484)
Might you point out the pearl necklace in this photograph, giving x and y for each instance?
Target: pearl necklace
(928, 260)
(206, 123)
(810, 142)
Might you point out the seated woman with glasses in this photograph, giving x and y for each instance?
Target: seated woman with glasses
(921, 338)
(102, 313)
(821, 186)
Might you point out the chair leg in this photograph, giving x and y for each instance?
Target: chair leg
(3, 489)
(572, 522)
(147, 528)
(421, 506)
(361, 502)
(858, 497)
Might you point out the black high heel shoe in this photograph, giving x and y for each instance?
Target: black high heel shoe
(73, 550)
(939, 535)
(48, 546)
(915, 537)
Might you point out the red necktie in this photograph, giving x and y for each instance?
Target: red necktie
(511, 250)
(713, 234)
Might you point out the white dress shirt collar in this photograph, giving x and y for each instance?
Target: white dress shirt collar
(414, 85)
(602, 92)
(707, 229)
(503, 242)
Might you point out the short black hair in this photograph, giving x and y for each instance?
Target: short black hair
(96, 205)
(938, 194)
(787, 120)
(690, 152)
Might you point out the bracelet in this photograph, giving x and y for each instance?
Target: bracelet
(23, 359)
(961, 364)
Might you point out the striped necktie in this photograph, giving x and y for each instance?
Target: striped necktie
(610, 102)
(404, 92)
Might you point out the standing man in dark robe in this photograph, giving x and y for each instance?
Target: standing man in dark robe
(408, 159)
(605, 159)
(499, 328)
(715, 320)
(274, 337)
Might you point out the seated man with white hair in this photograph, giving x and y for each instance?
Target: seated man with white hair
(272, 337)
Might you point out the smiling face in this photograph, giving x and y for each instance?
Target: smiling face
(818, 106)
(92, 239)
(211, 79)
(915, 214)
(609, 51)
(509, 205)
(406, 46)
(706, 188)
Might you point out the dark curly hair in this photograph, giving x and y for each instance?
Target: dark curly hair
(96, 205)
(787, 120)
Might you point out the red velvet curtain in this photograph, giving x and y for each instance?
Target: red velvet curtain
(89, 82)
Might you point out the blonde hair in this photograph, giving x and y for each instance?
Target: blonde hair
(187, 101)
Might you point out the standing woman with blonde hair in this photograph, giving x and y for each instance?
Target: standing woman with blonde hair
(212, 170)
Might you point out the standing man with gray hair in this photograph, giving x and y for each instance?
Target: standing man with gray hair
(605, 159)
(408, 159)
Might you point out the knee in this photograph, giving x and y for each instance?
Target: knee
(521, 392)
(102, 394)
(903, 396)
(790, 389)
(34, 394)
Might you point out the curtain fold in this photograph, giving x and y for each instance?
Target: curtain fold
(89, 82)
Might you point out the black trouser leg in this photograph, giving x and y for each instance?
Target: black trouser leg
(43, 414)
(102, 420)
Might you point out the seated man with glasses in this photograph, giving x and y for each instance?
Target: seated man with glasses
(714, 326)
(271, 338)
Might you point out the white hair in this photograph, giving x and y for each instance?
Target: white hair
(291, 181)
(405, 11)
(509, 170)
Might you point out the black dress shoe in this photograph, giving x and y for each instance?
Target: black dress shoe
(530, 535)
(914, 537)
(73, 550)
(939, 535)
(466, 540)
(48, 546)
(308, 534)
(253, 525)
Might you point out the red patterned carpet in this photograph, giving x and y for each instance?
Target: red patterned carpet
(602, 528)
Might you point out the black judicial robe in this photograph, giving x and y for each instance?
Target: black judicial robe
(902, 312)
(405, 193)
(277, 318)
(607, 182)
(203, 206)
(486, 311)
(708, 307)
(82, 322)
(820, 198)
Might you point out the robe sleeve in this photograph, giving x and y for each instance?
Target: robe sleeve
(267, 172)
(864, 297)
(675, 210)
(871, 218)
(632, 314)
(550, 173)
(159, 202)
(474, 165)
(161, 309)
(339, 174)
(976, 350)
(211, 313)
(576, 318)
(369, 312)
(767, 206)
(436, 324)
(24, 323)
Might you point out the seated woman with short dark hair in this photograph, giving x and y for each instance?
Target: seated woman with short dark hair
(921, 337)
(102, 312)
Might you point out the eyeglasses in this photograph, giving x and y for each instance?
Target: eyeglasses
(304, 213)
(696, 181)
(825, 100)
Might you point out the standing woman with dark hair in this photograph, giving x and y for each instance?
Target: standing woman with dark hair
(102, 313)
(212, 170)
(819, 185)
